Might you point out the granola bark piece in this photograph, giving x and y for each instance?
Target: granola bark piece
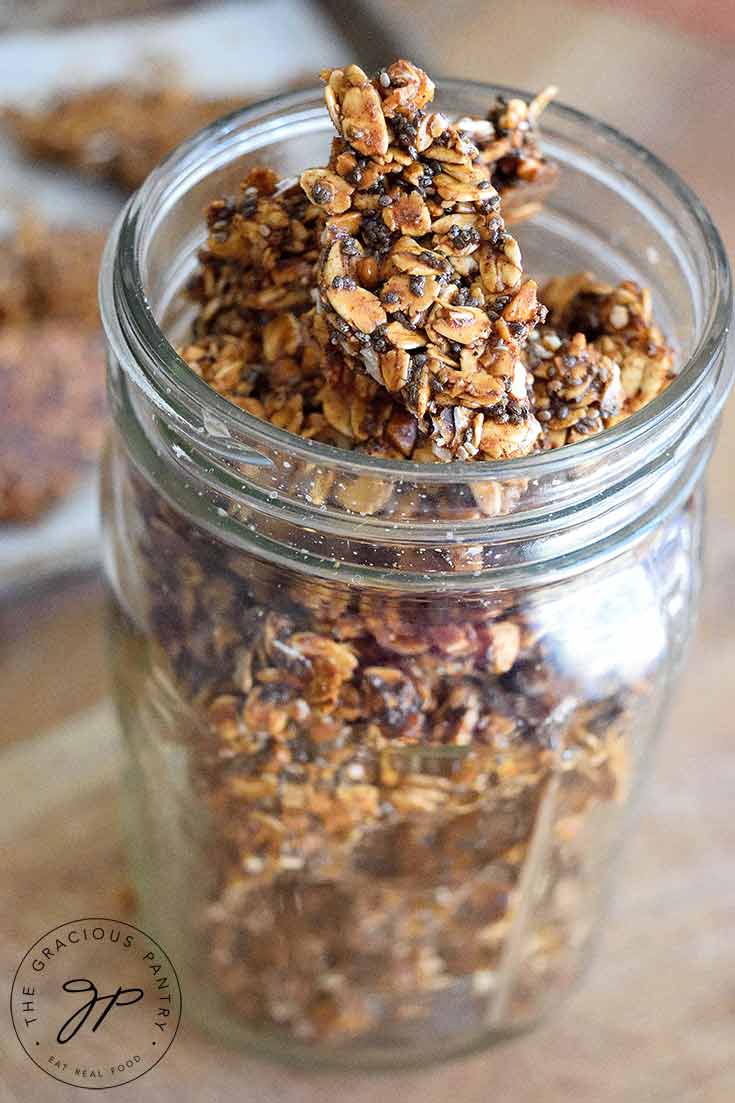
(52, 414)
(577, 389)
(64, 264)
(382, 760)
(259, 258)
(420, 284)
(508, 141)
(49, 272)
(117, 132)
(618, 322)
(17, 300)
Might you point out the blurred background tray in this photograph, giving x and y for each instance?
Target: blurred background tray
(254, 49)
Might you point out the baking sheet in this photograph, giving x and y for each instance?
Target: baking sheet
(253, 48)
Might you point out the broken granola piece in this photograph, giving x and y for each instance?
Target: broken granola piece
(259, 257)
(618, 322)
(420, 284)
(577, 389)
(117, 132)
(647, 366)
(49, 272)
(508, 142)
(52, 414)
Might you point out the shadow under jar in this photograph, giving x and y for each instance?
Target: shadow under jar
(384, 719)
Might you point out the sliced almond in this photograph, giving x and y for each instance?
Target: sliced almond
(281, 337)
(464, 324)
(523, 305)
(429, 128)
(362, 122)
(343, 224)
(408, 214)
(409, 256)
(456, 191)
(404, 338)
(327, 190)
(395, 367)
(503, 441)
(512, 251)
(334, 265)
(412, 297)
(518, 388)
(444, 224)
(446, 154)
(469, 173)
(357, 306)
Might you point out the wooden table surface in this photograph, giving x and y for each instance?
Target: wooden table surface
(655, 1020)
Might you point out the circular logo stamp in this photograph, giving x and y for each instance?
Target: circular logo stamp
(95, 1003)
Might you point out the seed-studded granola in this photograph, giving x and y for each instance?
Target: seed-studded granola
(509, 144)
(421, 285)
(395, 785)
(52, 413)
(118, 132)
(52, 382)
(576, 389)
(626, 357)
(374, 770)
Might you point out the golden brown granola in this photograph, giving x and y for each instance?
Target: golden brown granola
(420, 283)
(49, 272)
(117, 132)
(576, 389)
(374, 766)
(508, 141)
(618, 323)
(52, 420)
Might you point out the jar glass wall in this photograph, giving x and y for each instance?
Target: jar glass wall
(385, 720)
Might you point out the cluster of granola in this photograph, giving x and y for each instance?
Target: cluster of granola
(379, 772)
(374, 769)
(427, 342)
(618, 323)
(52, 379)
(508, 141)
(118, 132)
(419, 281)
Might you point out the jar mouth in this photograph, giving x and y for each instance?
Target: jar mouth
(166, 366)
(553, 511)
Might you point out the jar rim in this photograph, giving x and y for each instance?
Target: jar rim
(123, 256)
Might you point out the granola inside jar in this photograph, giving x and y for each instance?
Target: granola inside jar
(385, 716)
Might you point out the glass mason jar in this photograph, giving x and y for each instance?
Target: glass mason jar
(385, 720)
